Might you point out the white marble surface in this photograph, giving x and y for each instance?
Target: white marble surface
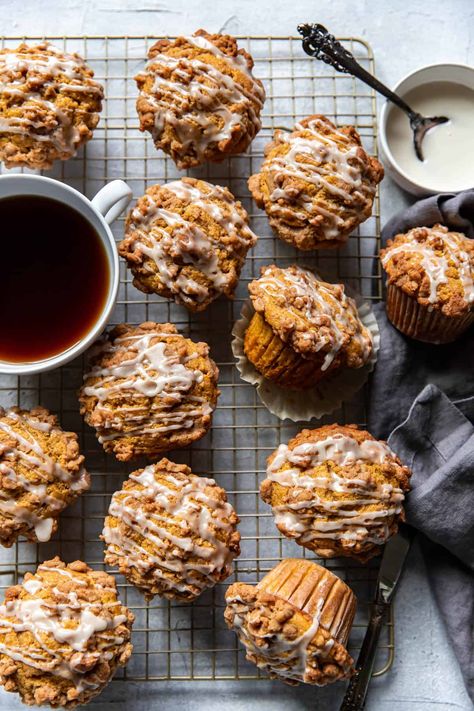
(404, 35)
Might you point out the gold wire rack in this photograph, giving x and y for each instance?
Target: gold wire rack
(177, 641)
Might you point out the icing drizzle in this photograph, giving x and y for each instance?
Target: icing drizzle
(44, 469)
(198, 88)
(28, 77)
(66, 618)
(315, 158)
(184, 242)
(343, 519)
(197, 556)
(331, 314)
(434, 263)
(152, 369)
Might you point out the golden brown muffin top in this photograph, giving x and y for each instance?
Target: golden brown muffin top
(171, 532)
(311, 315)
(65, 623)
(201, 88)
(317, 177)
(187, 239)
(41, 471)
(146, 381)
(434, 266)
(336, 490)
(295, 623)
(49, 97)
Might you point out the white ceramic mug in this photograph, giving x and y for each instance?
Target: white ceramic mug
(100, 212)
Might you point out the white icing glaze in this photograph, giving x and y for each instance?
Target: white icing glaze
(210, 90)
(436, 265)
(325, 306)
(314, 159)
(18, 70)
(44, 469)
(152, 370)
(344, 519)
(183, 241)
(274, 653)
(50, 619)
(185, 504)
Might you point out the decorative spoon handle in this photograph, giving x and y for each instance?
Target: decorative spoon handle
(317, 42)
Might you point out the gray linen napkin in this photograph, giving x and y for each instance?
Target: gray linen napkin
(422, 400)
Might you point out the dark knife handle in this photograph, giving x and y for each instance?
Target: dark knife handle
(354, 699)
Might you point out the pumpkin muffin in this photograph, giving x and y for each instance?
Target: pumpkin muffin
(187, 240)
(148, 390)
(316, 184)
(303, 329)
(430, 290)
(170, 532)
(336, 491)
(63, 633)
(41, 472)
(49, 105)
(199, 99)
(295, 623)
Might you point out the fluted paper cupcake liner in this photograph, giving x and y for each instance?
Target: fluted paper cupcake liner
(422, 323)
(327, 395)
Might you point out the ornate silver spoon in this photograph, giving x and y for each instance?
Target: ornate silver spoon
(318, 43)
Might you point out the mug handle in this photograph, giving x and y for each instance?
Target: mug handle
(112, 199)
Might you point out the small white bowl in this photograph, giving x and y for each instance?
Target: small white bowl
(454, 73)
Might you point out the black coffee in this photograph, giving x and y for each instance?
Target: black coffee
(54, 278)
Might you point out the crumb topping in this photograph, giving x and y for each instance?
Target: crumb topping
(316, 183)
(336, 490)
(312, 316)
(171, 533)
(434, 266)
(49, 105)
(198, 98)
(41, 472)
(148, 390)
(63, 633)
(187, 240)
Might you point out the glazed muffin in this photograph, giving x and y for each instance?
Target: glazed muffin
(63, 633)
(187, 240)
(199, 99)
(49, 105)
(170, 532)
(430, 290)
(148, 390)
(41, 472)
(336, 491)
(295, 623)
(303, 329)
(316, 184)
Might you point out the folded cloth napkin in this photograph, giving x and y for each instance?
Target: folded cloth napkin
(422, 400)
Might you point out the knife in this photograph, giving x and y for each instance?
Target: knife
(393, 559)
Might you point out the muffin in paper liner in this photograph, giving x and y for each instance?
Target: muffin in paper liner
(327, 395)
(423, 323)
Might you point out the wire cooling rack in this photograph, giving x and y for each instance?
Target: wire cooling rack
(178, 641)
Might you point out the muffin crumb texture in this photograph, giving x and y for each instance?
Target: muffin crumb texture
(49, 105)
(187, 240)
(336, 491)
(433, 266)
(149, 389)
(316, 184)
(304, 328)
(295, 623)
(199, 99)
(41, 472)
(63, 633)
(170, 532)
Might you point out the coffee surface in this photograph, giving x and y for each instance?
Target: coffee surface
(54, 278)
